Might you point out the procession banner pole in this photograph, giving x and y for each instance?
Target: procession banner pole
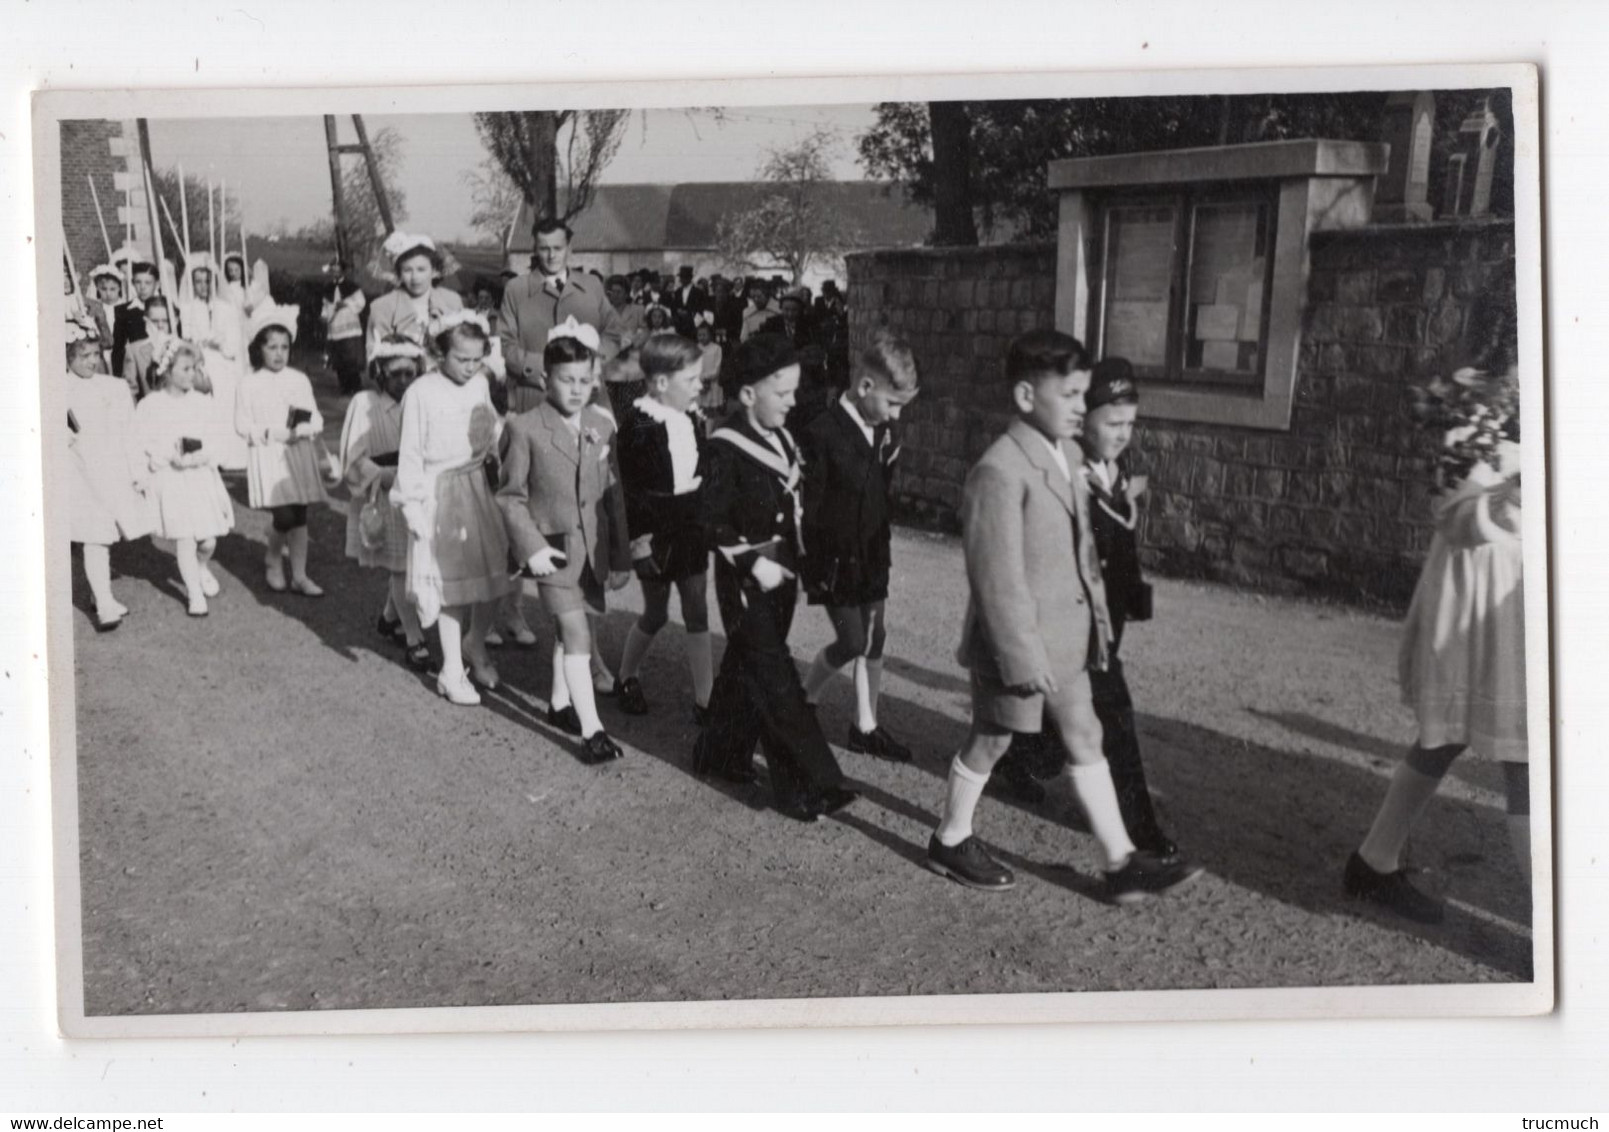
(184, 211)
(100, 216)
(72, 274)
(212, 234)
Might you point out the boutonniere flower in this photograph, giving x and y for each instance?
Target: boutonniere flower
(590, 435)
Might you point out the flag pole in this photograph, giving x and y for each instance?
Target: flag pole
(184, 213)
(100, 216)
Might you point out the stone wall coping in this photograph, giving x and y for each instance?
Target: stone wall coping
(1304, 157)
(1451, 225)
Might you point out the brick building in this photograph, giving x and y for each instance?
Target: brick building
(104, 152)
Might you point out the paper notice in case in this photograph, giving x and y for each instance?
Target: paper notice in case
(1138, 332)
(1251, 318)
(1217, 322)
(1220, 356)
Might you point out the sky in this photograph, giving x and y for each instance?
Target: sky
(280, 171)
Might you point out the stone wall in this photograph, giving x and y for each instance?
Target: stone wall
(1338, 505)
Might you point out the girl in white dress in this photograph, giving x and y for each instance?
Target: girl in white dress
(376, 532)
(279, 419)
(458, 565)
(105, 504)
(1462, 670)
(176, 430)
(212, 323)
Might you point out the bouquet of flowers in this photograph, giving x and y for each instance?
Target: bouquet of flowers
(1473, 412)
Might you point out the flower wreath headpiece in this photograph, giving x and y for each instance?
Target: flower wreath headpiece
(107, 270)
(583, 332)
(164, 352)
(81, 331)
(400, 241)
(403, 349)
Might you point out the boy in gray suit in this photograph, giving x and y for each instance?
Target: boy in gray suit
(1037, 622)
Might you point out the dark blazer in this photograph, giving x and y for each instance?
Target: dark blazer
(846, 519)
(683, 308)
(560, 489)
(653, 510)
(128, 327)
(1128, 596)
(748, 506)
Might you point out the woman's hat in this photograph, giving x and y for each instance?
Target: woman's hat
(761, 356)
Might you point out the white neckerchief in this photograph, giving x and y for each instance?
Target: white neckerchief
(854, 414)
(1102, 472)
(683, 443)
(1055, 451)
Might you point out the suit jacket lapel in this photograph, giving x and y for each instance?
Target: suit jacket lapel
(563, 440)
(1035, 447)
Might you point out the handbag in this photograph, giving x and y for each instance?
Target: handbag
(372, 520)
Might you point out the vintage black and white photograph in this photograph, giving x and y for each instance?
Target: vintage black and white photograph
(770, 561)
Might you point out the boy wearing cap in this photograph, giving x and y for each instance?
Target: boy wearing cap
(751, 508)
(1112, 404)
(1036, 622)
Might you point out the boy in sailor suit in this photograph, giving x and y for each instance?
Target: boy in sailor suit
(750, 510)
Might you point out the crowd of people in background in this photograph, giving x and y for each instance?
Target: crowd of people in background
(579, 431)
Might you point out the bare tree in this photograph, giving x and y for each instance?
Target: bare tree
(525, 145)
(793, 222)
(496, 199)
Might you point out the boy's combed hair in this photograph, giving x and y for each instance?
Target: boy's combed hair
(888, 360)
(667, 353)
(143, 268)
(466, 330)
(550, 224)
(561, 351)
(1044, 353)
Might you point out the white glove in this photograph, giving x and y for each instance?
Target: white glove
(770, 574)
(545, 562)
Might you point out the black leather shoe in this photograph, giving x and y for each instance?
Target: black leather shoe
(968, 863)
(799, 811)
(565, 719)
(877, 742)
(1390, 890)
(832, 799)
(599, 748)
(390, 628)
(1144, 875)
(1159, 846)
(418, 658)
(630, 694)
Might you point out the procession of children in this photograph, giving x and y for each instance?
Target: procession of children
(471, 484)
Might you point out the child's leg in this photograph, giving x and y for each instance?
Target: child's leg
(450, 632)
(296, 539)
(98, 570)
(601, 675)
(1517, 783)
(696, 619)
(403, 609)
(274, 556)
(969, 773)
(576, 636)
(655, 612)
(205, 549)
(1412, 786)
(481, 616)
(849, 641)
(1072, 712)
(190, 571)
(559, 695)
(869, 667)
(1120, 741)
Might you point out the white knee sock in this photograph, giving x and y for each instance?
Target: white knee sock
(962, 791)
(821, 673)
(1405, 800)
(559, 697)
(190, 569)
(451, 634)
(701, 664)
(874, 683)
(296, 539)
(578, 673)
(1092, 782)
(865, 699)
(637, 645)
(98, 570)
